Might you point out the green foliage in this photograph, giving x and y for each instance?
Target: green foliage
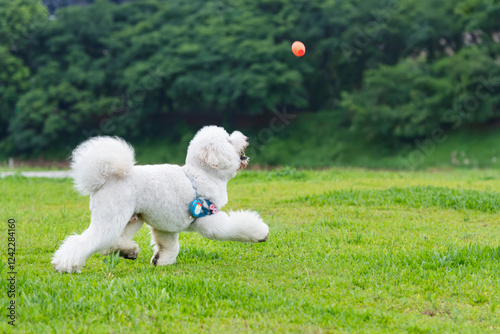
(392, 103)
(150, 63)
(19, 19)
(13, 80)
(411, 99)
(396, 69)
(481, 20)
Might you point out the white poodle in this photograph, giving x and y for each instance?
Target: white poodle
(169, 198)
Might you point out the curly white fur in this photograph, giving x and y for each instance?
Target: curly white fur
(124, 196)
(98, 159)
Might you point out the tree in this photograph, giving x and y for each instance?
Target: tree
(19, 19)
(408, 101)
(145, 68)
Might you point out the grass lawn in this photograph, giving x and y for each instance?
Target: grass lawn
(350, 251)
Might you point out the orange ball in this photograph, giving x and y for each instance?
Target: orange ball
(298, 49)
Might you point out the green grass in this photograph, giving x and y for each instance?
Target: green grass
(350, 251)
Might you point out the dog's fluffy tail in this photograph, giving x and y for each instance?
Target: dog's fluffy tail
(94, 161)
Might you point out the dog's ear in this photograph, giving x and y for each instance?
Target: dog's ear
(215, 156)
(209, 156)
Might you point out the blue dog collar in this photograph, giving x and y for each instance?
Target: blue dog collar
(202, 207)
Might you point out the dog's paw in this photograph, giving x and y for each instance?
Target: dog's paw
(65, 268)
(251, 227)
(128, 250)
(130, 254)
(265, 238)
(162, 259)
(260, 233)
(154, 259)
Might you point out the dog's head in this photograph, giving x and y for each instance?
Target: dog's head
(213, 148)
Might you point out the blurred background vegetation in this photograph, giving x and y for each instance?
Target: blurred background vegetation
(384, 83)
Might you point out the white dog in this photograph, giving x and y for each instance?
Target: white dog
(169, 198)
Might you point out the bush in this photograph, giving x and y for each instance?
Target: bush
(410, 100)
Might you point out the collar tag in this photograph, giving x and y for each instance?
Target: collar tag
(197, 209)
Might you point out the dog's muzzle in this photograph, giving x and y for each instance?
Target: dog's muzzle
(243, 158)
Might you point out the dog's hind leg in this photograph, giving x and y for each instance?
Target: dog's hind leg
(106, 227)
(243, 226)
(166, 247)
(127, 248)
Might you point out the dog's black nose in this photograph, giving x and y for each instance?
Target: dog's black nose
(247, 139)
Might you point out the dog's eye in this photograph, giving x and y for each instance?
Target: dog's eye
(229, 140)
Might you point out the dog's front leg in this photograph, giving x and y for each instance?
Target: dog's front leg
(166, 247)
(243, 226)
